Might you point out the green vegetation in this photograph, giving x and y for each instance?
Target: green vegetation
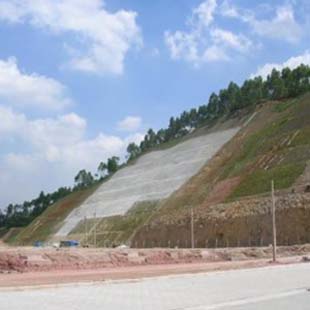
(11, 235)
(286, 84)
(259, 181)
(3, 231)
(51, 220)
(115, 230)
(284, 132)
(83, 179)
(278, 151)
(19, 215)
(274, 145)
(303, 137)
(257, 143)
(278, 85)
(282, 106)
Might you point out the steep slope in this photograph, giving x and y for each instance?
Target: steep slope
(222, 172)
(47, 224)
(154, 176)
(230, 195)
(124, 203)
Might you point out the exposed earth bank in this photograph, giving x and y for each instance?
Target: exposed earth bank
(48, 259)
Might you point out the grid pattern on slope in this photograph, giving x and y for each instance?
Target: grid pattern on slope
(154, 176)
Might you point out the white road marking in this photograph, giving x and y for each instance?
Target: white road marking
(247, 289)
(253, 300)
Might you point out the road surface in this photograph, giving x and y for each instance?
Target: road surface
(268, 288)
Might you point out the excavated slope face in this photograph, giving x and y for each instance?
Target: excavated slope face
(246, 222)
(154, 176)
(231, 195)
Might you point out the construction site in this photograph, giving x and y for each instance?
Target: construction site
(205, 203)
(212, 189)
(228, 203)
(154, 155)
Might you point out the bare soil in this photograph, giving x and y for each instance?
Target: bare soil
(21, 267)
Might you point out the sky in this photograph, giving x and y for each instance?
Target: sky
(80, 79)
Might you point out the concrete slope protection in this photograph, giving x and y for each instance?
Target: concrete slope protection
(154, 176)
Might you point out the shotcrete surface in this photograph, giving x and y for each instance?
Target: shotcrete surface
(154, 176)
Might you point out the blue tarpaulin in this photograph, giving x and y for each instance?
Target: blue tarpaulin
(69, 243)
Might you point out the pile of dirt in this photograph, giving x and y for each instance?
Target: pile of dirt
(48, 259)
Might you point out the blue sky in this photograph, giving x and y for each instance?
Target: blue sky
(79, 79)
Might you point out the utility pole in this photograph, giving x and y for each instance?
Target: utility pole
(274, 229)
(192, 228)
(95, 231)
(85, 230)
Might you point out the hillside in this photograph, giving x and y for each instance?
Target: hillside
(230, 195)
(46, 225)
(228, 188)
(135, 191)
(154, 176)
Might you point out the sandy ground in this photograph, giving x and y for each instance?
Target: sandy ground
(23, 267)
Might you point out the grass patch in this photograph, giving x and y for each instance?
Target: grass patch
(12, 234)
(269, 137)
(256, 143)
(303, 137)
(3, 231)
(283, 106)
(259, 181)
(51, 220)
(118, 229)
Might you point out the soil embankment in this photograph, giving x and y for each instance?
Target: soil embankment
(26, 267)
(47, 259)
(242, 223)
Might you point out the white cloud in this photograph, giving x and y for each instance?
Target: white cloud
(136, 138)
(182, 45)
(103, 38)
(215, 53)
(46, 153)
(61, 138)
(228, 10)
(21, 162)
(9, 121)
(21, 89)
(283, 26)
(205, 42)
(204, 13)
(292, 63)
(228, 38)
(42, 134)
(130, 123)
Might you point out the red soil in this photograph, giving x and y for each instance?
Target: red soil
(31, 267)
